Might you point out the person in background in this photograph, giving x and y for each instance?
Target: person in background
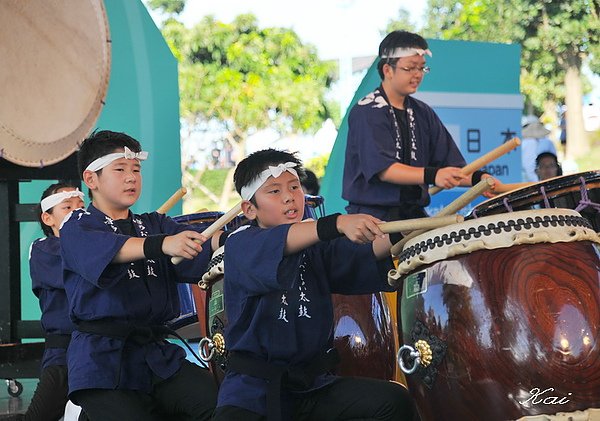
(310, 184)
(563, 128)
(535, 141)
(547, 166)
(45, 266)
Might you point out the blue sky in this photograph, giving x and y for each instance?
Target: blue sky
(338, 28)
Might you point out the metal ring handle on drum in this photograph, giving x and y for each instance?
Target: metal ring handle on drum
(412, 353)
(206, 349)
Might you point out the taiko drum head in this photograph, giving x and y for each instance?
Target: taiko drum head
(54, 77)
(492, 232)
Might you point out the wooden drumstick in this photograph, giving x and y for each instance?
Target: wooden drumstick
(215, 226)
(505, 188)
(460, 202)
(419, 223)
(176, 197)
(483, 160)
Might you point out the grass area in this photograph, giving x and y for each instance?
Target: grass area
(214, 179)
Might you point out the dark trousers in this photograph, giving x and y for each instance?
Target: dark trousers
(50, 397)
(190, 394)
(348, 398)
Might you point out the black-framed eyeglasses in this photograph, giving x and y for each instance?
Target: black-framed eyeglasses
(412, 70)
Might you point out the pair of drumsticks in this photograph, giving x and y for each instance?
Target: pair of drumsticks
(416, 226)
(212, 228)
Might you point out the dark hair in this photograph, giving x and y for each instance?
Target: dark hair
(101, 143)
(52, 189)
(398, 39)
(311, 183)
(543, 155)
(250, 167)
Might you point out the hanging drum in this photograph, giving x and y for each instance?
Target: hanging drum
(54, 77)
(500, 317)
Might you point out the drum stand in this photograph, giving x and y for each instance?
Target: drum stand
(17, 359)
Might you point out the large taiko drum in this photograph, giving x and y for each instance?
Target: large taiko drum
(363, 331)
(580, 192)
(500, 317)
(54, 77)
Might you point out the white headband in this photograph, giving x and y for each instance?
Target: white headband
(54, 199)
(105, 160)
(406, 52)
(249, 189)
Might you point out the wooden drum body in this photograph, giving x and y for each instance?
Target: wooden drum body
(363, 332)
(500, 317)
(364, 336)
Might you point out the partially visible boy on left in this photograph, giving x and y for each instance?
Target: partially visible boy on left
(122, 289)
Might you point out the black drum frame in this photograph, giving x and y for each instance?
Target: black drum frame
(16, 358)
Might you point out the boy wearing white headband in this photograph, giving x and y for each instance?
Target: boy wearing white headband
(397, 145)
(122, 290)
(279, 277)
(45, 266)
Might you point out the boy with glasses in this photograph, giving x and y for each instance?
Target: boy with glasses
(397, 145)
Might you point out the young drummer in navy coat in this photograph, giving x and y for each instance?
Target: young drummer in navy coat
(121, 289)
(279, 277)
(397, 145)
(45, 266)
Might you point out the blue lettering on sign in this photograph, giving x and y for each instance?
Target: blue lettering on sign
(481, 130)
(497, 170)
(474, 140)
(508, 134)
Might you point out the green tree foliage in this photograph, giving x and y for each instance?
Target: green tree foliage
(173, 7)
(402, 22)
(557, 37)
(318, 165)
(248, 78)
